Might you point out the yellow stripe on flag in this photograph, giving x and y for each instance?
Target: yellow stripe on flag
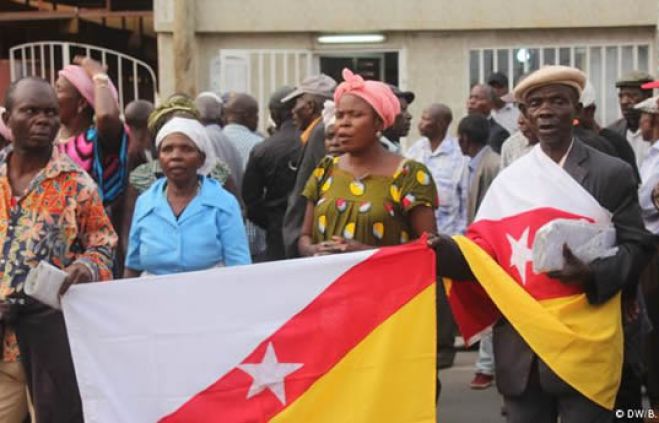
(388, 377)
(581, 342)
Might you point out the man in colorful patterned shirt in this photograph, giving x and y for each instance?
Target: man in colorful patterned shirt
(50, 210)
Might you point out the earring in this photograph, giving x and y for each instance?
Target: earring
(378, 134)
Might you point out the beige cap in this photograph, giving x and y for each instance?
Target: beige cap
(549, 75)
(649, 105)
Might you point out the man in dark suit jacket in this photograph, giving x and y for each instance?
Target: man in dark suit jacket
(309, 98)
(481, 100)
(532, 391)
(269, 176)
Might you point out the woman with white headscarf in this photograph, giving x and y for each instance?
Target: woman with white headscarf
(185, 221)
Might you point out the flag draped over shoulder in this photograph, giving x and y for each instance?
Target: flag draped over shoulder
(581, 342)
(342, 338)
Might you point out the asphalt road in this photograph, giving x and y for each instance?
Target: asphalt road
(460, 404)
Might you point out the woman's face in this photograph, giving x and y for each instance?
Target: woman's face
(71, 103)
(179, 158)
(332, 145)
(356, 124)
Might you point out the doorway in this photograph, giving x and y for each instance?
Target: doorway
(371, 66)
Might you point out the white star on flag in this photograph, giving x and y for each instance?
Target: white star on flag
(269, 374)
(521, 253)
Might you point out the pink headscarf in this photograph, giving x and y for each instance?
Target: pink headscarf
(77, 76)
(4, 131)
(375, 93)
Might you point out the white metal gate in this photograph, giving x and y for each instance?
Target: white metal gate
(134, 78)
(260, 72)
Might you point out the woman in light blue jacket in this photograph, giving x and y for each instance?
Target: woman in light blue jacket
(185, 221)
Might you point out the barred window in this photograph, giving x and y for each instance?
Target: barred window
(603, 64)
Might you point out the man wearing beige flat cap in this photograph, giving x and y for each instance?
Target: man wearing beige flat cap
(569, 368)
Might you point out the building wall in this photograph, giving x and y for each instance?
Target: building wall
(409, 15)
(433, 64)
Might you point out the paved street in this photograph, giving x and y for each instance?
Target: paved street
(458, 403)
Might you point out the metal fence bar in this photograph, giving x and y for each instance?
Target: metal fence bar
(261, 79)
(136, 88)
(120, 83)
(273, 71)
(42, 61)
(603, 84)
(24, 61)
(52, 63)
(33, 62)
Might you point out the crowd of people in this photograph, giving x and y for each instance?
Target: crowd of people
(191, 184)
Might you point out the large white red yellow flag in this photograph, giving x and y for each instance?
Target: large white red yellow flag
(581, 342)
(343, 338)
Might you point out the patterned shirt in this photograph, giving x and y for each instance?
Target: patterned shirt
(449, 168)
(373, 210)
(59, 219)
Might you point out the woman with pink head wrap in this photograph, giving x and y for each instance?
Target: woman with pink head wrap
(92, 133)
(367, 197)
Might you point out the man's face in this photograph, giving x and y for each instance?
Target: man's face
(428, 125)
(646, 125)
(403, 122)
(34, 117)
(303, 111)
(252, 121)
(550, 110)
(628, 97)
(499, 89)
(525, 129)
(478, 102)
(464, 143)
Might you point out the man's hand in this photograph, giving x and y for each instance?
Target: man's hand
(575, 271)
(78, 273)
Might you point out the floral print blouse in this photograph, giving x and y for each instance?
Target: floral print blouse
(59, 219)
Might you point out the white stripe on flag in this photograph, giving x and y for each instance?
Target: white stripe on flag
(533, 181)
(143, 347)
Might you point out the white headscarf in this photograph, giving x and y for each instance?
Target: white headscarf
(194, 130)
(329, 116)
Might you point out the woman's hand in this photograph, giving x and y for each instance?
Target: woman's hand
(91, 66)
(339, 244)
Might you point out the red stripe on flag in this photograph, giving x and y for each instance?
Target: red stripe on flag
(320, 335)
(472, 307)
(497, 238)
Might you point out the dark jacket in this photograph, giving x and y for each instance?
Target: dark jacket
(624, 150)
(498, 134)
(610, 181)
(312, 152)
(619, 127)
(268, 180)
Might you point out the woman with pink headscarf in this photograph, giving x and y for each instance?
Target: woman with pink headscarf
(92, 133)
(367, 197)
